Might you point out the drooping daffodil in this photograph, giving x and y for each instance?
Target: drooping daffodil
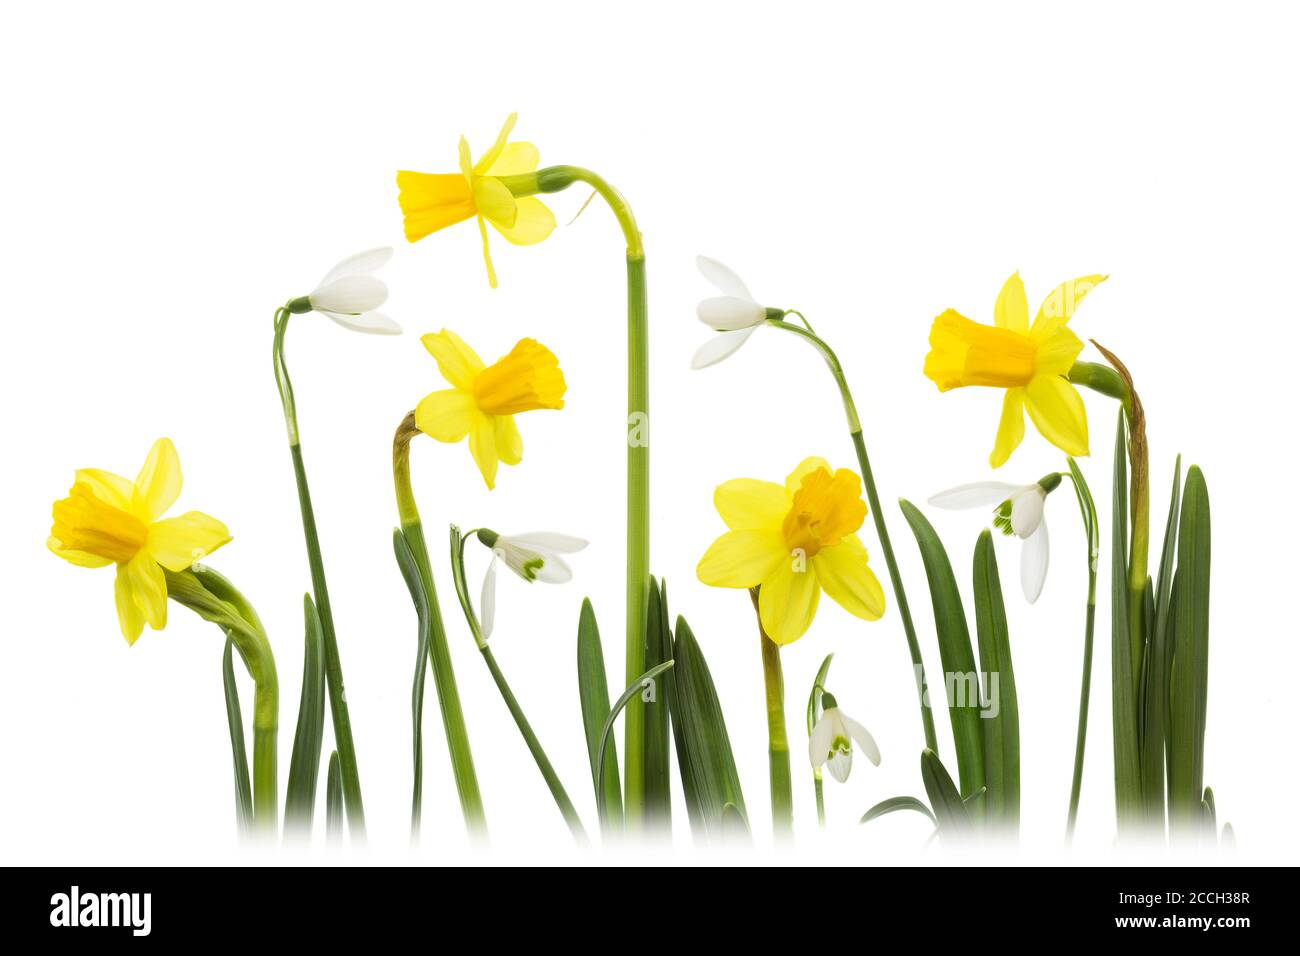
(433, 201)
(831, 742)
(484, 399)
(734, 314)
(792, 542)
(107, 519)
(1018, 512)
(534, 556)
(1031, 362)
(350, 293)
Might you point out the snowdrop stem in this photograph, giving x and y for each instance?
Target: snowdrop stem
(1088, 514)
(435, 640)
(778, 747)
(320, 591)
(821, 803)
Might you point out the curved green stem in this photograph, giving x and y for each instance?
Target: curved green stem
(878, 517)
(444, 676)
(778, 746)
(1088, 513)
(215, 599)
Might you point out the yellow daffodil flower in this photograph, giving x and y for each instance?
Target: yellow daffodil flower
(483, 400)
(1030, 362)
(792, 542)
(107, 519)
(432, 201)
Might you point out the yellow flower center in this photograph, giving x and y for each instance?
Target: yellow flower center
(963, 352)
(84, 522)
(825, 509)
(526, 379)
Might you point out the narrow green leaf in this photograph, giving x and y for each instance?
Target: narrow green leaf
(638, 686)
(243, 786)
(1002, 720)
(705, 761)
(897, 803)
(411, 575)
(593, 697)
(304, 764)
(815, 695)
(659, 648)
(960, 677)
(950, 811)
(334, 800)
(1124, 711)
(1191, 638)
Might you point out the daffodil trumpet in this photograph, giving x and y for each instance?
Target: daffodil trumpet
(431, 646)
(806, 333)
(481, 629)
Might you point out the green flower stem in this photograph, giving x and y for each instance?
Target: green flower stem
(778, 747)
(554, 179)
(878, 516)
(444, 677)
(512, 704)
(821, 803)
(333, 664)
(215, 599)
(1088, 513)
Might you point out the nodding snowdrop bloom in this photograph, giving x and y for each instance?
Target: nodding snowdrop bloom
(734, 315)
(534, 557)
(831, 743)
(349, 294)
(1018, 511)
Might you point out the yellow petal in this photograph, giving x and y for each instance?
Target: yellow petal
(159, 483)
(432, 201)
(1057, 411)
(494, 202)
(533, 222)
(446, 415)
(129, 617)
(458, 362)
(515, 160)
(843, 573)
(488, 159)
(1058, 308)
(1011, 427)
(176, 543)
(483, 447)
(114, 489)
(787, 602)
(1056, 355)
(487, 253)
(510, 444)
(795, 478)
(1011, 311)
(148, 587)
(742, 559)
(82, 559)
(748, 503)
(466, 164)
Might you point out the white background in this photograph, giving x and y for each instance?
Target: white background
(172, 173)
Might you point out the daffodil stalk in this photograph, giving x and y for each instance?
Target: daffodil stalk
(480, 632)
(435, 645)
(320, 590)
(777, 319)
(778, 746)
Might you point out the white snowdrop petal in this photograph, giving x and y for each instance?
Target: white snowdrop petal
(862, 737)
(548, 541)
(719, 347)
(979, 494)
(726, 313)
(1027, 511)
(362, 263)
(350, 294)
(819, 742)
(554, 570)
(371, 323)
(723, 279)
(488, 601)
(840, 764)
(1033, 563)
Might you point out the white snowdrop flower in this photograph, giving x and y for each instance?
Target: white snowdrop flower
(534, 557)
(734, 314)
(350, 293)
(832, 739)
